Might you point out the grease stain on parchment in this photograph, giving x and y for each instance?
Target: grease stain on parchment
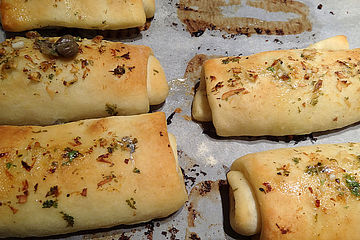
(282, 17)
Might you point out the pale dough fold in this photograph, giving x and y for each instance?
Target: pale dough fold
(20, 15)
(105, 78)
(88, 174)
(281, 92)
(298, 193)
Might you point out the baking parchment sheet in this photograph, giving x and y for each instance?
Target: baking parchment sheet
(204, 157)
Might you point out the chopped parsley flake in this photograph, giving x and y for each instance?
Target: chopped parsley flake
(271, 69)
(69, 219)
(9, 165)
(50, 203)
(296, 160)
(316, 169)
(70, 154)
(136, 170)
(111, 109)
(131, 202)
(352, 184)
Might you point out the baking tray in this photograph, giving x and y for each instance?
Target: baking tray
(181, 44)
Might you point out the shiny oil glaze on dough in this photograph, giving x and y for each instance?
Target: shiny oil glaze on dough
(283, 92)
(104, 78)
(309, 192)
(20, 15)
(88, 174)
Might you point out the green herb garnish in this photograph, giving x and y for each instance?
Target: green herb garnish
(136, 170)
(296, 160)
(271, 69)
(70, 154)
(131, 202)
(111, 109)
(316, 169)
(9, 165)
(69, 219)
(50, 203)
(352, 184)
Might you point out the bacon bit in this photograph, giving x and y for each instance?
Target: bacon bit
(340, 75)
(26, 166)
(27, 57)
(317, 203)
(97, 39)
(3, 154)
(45, 65)
(106, 180)
(232, 92)
(84, 192)
(101, 158)
(318, 85)
(311, 190)
(267, 186)
(14, 210)
(282, 229)
(178, 110)
(212, 78)
(236, 70)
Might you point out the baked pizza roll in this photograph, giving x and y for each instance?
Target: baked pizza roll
(87, 174)
(104, 78)
(283, 92)
(297, 193)
(20, 15)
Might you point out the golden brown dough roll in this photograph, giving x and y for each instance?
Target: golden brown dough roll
(281, 92)
(87, 174)
(104, 78)
(297, 193)
(20, 15)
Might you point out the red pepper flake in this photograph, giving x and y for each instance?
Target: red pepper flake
(311, 190)
(26, 166)
(14, 210)
(76, 142)
(126, 160)
(101, 158)
(282, 229)
(212, 78)
(317, 203)
(84, 192)
(268, 187)
(4, 154)
(106, 180)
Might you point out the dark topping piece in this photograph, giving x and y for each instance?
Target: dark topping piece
(54, 191)
(26, 166)
(316, 169)
(66, 46)
(119, 70)
(50, 203)
(111, 109)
